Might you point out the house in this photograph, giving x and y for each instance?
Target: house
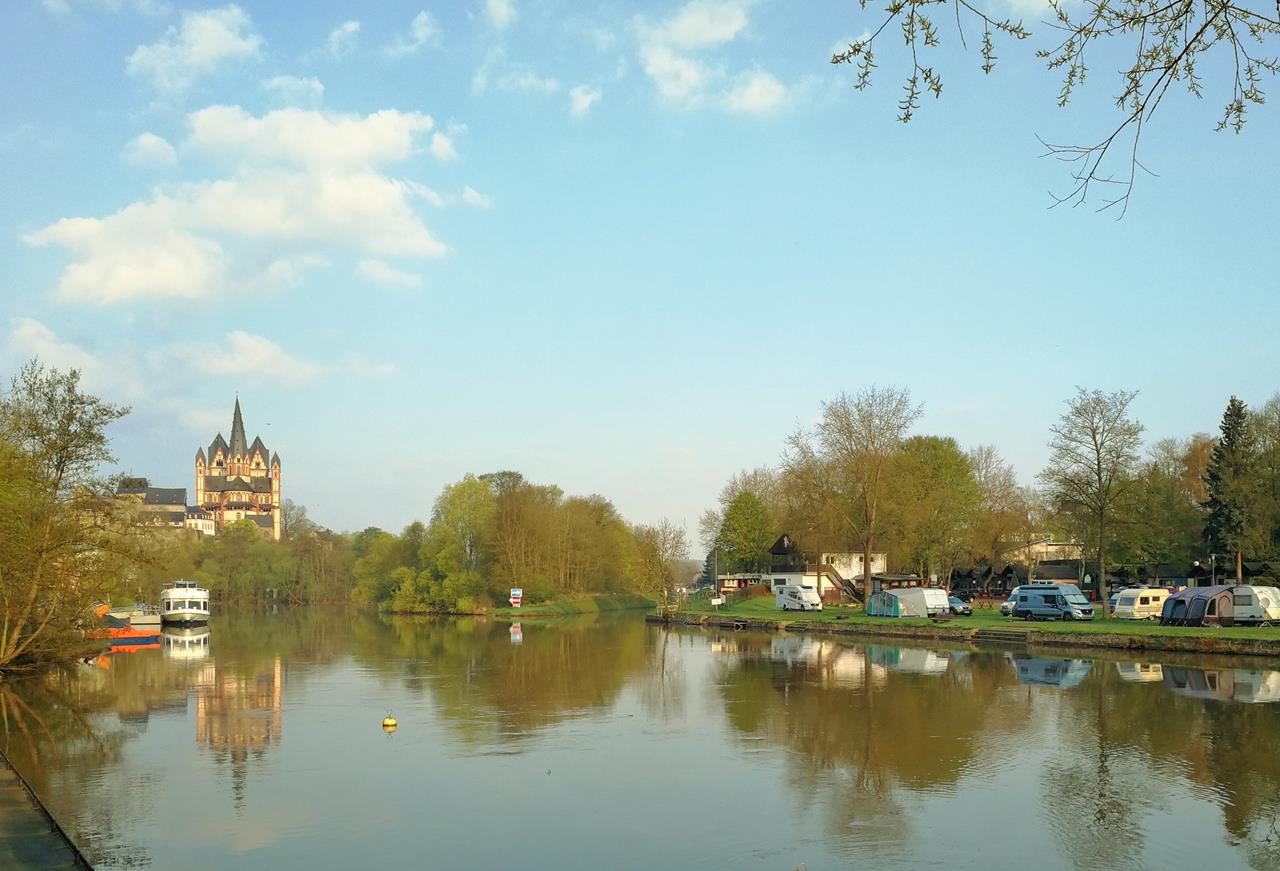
(156, 506)
(1044, 546)
(834, 576)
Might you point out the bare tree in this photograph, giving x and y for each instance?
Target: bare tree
(1165, 42)
(848, 456)
(1095, 454)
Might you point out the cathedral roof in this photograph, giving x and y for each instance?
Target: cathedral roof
(239, 444)
(218, 442)
(260, 447)
(200, 455)
(228, 484)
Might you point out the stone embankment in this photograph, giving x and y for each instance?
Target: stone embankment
(955, 631)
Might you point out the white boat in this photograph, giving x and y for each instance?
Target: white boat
(184, 601)
(185, 644)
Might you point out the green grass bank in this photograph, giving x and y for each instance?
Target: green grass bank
(761, 614)
(574, 605)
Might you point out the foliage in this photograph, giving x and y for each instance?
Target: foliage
(842, 467)
(1165, 43)
(935, 506)
(1229, 482)
(746, 533)
(64, 542)
(1094, 455)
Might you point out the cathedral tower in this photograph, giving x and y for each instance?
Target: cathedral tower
(239, 480)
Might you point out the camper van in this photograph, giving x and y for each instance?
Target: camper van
(1140, 603)
(794, 597)
(1256, 605)
(1052, 602)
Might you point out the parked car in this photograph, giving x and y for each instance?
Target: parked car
(959, 607)
(965, 595)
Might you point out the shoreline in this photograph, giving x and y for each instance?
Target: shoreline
(1011, 636)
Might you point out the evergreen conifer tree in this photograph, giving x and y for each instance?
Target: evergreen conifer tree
(1226, 483)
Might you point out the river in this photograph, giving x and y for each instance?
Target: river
(610, 743)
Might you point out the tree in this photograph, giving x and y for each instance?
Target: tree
(1160, 520)
(1094, 454)
(1165, 41)
(844, 462)
(1001, 520)
(1228, 483)
(936, 503)
(745, 535)
(62, 545)
(660, 550)
(294, 522)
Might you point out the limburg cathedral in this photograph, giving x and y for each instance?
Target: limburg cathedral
(239, 481)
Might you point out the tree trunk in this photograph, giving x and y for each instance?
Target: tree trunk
(1239, 567)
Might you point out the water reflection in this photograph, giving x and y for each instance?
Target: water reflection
(583, 738)
(1061, 673)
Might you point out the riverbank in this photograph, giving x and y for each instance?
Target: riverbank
(760, 614)
(29, 835)
(575, 605)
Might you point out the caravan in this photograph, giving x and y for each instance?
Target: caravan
(1140, 603)
(796, 597)
(1258, 606)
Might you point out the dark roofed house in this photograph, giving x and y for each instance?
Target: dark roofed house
(157, 506)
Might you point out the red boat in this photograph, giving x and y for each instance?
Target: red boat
(122, 634)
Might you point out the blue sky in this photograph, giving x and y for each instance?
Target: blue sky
(622, 247)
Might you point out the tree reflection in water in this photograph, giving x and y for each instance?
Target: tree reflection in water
(864, 726)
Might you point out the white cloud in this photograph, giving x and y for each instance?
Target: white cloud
(308, 137)
(295, 90)
(495, 74)
(342, 39)
(469, 196)
(679, 79)
(148, 149)
(423, 31)
(703, 23)
(756, 94)
(29, 338)
(141, 251)
(581, 99)
(673, 51)
(442, 147)
(473, 197)
(501, 13)
(302, 182)
(204, 42)
(381, 272)
(247, 354)
(146, 7)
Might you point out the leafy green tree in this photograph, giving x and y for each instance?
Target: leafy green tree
(745, 534)
(1160, 520)
(373, 572)
(1093, 460)
(1229, 483)
(62, 542)
(935, 505)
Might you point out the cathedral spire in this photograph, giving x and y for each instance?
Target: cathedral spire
(239, 444)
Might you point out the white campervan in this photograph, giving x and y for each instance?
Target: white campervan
(796, 597)
(1140, 603)
(1257, 605)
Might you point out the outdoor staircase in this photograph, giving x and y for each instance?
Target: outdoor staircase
(1000, 636)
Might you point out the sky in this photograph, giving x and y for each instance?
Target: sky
(625, 248)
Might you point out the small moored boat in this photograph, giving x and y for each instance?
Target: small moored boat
(184, 601)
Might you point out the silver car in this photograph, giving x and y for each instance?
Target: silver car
(1006, 607)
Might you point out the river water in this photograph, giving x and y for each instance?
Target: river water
(609, 743)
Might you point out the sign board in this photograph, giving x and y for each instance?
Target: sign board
(717, 601)
(517, 596)
(517, 634)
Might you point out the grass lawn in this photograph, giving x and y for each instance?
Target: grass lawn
(763, 608)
